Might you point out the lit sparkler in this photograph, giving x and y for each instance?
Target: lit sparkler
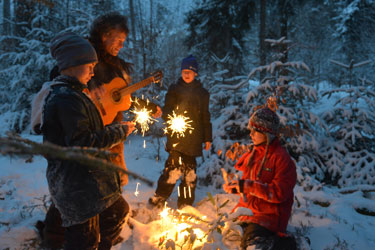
(179, 124)
(143, 118)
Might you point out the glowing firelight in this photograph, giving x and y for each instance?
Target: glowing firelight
(143, 118)
(177, 226)
(179, 124)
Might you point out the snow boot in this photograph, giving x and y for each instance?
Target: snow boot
(40, 226)
(157, 201)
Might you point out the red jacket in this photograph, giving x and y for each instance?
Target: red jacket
(270, 197)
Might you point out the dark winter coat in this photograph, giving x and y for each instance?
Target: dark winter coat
(71, 119)
(193, 99)
(270, 197)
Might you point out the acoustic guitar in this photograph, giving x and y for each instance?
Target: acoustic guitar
(117, 96)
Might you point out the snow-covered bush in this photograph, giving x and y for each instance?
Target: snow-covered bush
(349, 151)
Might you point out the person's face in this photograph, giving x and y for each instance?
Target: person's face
(257, 137)
(113, 41)
(83, 72)
(188, 75)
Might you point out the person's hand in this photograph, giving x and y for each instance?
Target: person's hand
(232, 187)
(158, 112)
(131, 127)
(207, 145)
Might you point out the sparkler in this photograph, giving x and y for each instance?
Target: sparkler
(136, 189)
(179, 124)
(143, 118)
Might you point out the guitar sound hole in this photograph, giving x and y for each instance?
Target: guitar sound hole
(116, 96)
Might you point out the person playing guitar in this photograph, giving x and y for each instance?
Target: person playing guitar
(108, 34)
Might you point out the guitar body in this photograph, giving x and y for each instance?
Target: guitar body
(112, 101)
(117, 97)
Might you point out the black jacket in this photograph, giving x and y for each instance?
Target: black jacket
(194, 99)
(71, 119)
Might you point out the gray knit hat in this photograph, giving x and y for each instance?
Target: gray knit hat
(69, 50)
(265, 121)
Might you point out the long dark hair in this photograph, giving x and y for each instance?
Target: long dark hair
(103, 25)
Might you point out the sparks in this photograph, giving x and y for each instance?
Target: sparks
(178, 227)
(179, 124)
(136, 189)
(144, 143)
(143, 118)
(164, 214)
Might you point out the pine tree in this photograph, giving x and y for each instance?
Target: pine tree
(285, 89)
(218, 27)
(24, 68)
(25, 61)
(349, 148)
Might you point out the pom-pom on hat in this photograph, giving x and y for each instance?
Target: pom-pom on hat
(190, 63)
(264, 120)
(69, 50)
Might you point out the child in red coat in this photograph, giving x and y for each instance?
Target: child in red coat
(267, 183)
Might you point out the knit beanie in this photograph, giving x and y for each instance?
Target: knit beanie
(69, 50)
(190, 63)
(264, 120)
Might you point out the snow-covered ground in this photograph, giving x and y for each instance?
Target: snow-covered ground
(330, 217)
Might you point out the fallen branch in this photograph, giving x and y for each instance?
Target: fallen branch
(16, 145)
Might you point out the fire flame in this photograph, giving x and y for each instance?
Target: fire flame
(179, 124)
(178, 227)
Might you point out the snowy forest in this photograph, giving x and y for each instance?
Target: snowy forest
(312, 60)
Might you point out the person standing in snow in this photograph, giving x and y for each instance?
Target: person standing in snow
(189, 98)
(266, 186)
(89, 200)
(107, 35)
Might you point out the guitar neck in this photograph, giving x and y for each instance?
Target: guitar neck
(130, 89)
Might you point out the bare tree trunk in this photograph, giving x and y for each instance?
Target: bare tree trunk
(67, 13)
(142, 38)
(151, 36)
(23, 10)
(283, 13)
(262, 36)
(133, 33)
(6, 17)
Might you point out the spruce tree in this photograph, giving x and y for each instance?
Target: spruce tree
(218, 27)
(349, 148)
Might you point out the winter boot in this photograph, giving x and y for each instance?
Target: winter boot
(157, 201)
